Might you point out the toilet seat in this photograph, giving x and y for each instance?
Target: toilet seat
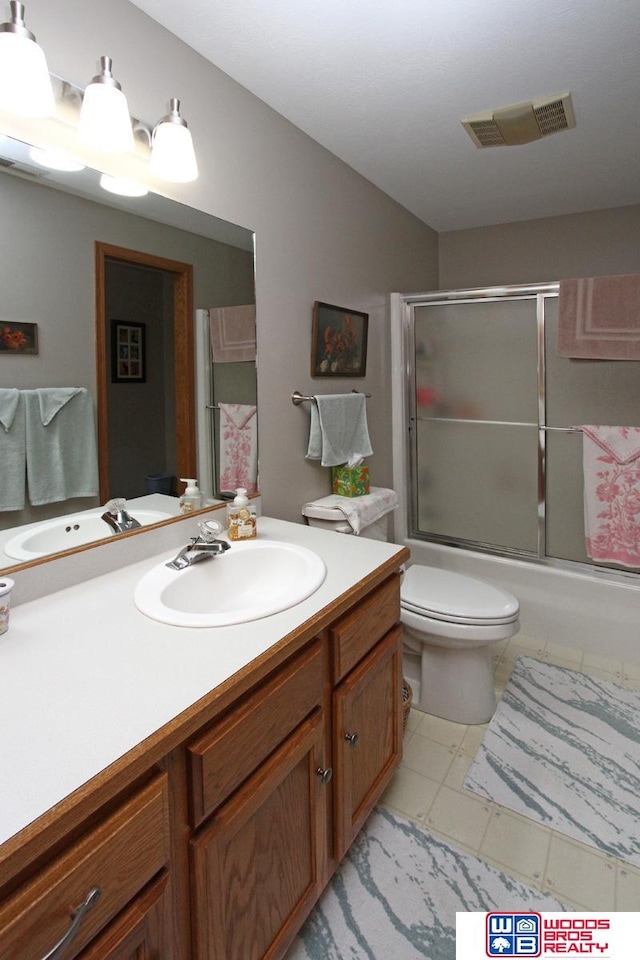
(449, 597)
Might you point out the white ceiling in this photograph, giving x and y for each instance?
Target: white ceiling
(384, 85)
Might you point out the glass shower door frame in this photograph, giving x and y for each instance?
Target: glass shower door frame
(537, 293)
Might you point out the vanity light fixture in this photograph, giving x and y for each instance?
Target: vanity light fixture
(105, 123)
(172, 155)
(123, 187)
(25, 85)
(54, 160)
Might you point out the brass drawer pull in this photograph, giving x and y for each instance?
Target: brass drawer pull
(351, 738)
(325, 775)
(76, 919)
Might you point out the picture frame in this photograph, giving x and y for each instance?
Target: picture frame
(338, 341)
(128, 352)
(18, 338)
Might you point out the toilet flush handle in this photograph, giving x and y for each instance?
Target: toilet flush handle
(351, 738)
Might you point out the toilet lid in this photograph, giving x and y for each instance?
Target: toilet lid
(444, 595)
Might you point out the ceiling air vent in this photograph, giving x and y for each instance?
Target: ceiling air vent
(521, 122)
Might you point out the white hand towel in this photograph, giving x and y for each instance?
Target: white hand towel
(62, 459)
(338, 429)
(13, 451)
(359, 512)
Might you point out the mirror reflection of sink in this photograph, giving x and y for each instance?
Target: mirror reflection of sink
(250, 581)
(63, 533)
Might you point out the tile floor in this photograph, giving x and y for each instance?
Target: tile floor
(428, 789)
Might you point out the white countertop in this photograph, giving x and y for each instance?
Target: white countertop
(85, 677)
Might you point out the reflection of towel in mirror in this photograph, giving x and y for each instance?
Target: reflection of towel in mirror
(338, 429)
(62, 460)
(611, 465)
(238, 447)
(13, 451)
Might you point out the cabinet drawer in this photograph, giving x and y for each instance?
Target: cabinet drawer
(359, 630)
(119, 857)
(230, 751)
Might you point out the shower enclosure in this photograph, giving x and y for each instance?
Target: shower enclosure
(489, 413)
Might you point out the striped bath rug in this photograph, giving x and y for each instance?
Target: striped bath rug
(396, 894)
(563, 749)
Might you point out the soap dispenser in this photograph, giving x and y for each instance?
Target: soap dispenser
(241, 517)
(191, 499)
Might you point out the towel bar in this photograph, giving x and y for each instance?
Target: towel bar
(297, 398)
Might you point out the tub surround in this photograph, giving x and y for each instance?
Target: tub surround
(590, 610)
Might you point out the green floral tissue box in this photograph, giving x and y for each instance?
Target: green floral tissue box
(350, 481)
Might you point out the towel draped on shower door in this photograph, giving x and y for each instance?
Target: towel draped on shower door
(611, 467)
(238, 447)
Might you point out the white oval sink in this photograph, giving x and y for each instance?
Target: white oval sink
(63, 533)
(249, 581)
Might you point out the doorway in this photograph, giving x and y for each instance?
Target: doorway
(145, 370)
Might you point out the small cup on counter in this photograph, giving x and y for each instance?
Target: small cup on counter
(6, 586)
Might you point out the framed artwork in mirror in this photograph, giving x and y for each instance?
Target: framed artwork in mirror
(338, 341)
(128, 357)
(18, 337)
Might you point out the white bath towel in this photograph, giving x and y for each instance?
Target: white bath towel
(359, 512)
(62, 458)
(13, 451)
(338, 429)
(611, 467)
(238, 447)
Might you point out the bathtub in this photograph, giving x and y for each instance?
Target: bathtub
(578, 609)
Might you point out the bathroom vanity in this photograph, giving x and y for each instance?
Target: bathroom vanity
(206, 782)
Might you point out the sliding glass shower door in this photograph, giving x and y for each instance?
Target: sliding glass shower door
(476, 421)
(495, 453)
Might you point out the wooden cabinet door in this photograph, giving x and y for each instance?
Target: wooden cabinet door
(258, 864)
(141, 932)
(367, 737)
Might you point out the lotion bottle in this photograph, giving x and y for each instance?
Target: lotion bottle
(241, 517)
(191, 499)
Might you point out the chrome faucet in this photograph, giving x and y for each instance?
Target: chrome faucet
(202, 547)
(117, 517)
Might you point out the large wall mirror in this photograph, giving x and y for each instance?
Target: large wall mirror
(125, 293)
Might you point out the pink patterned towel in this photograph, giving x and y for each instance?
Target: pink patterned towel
(611, 466)
(238, 447)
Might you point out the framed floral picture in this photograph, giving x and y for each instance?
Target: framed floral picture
(128, 357)
(18, 337)
(338, 341)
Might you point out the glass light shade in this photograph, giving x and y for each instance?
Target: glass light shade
(105, 123)
(172, 155)
(124, 188)
(25, 85)
(53, 160)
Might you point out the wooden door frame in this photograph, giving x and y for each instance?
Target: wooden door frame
(183, 347)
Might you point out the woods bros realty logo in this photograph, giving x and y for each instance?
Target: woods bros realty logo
(532, 935)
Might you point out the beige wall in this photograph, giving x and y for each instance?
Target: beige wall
(599, 243)
(322, 231)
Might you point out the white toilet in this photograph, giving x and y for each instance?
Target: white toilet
(450, 622)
